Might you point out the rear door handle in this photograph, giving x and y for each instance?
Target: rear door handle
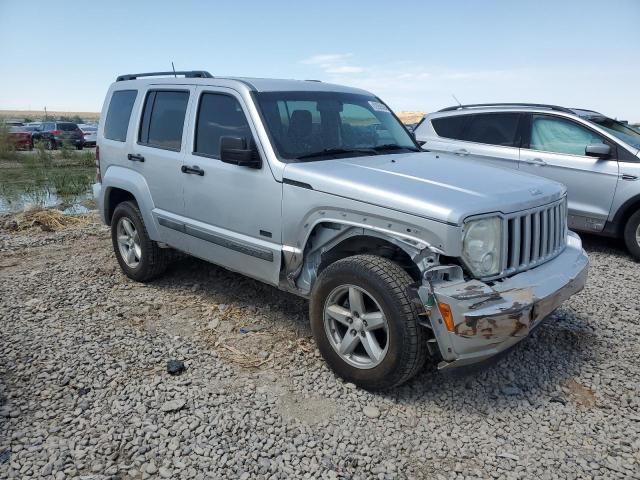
(536, 161)
(194, 170)
(461, 151)
(134, 157)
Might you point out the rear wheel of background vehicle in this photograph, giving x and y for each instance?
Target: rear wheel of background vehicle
(365, 324)
(140, 258)
(79, 147)
(632, 235)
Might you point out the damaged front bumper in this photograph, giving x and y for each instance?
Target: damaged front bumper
(472, 320)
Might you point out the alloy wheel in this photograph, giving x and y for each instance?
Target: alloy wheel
(356, 326)
(129, 242)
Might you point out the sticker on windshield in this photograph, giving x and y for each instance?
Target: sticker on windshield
(379, 107)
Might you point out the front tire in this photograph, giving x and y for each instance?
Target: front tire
(140, 258)
(632, 235)
(365, 323)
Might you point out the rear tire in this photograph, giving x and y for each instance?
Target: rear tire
(140, 258)
(632, 235)
(402, 342)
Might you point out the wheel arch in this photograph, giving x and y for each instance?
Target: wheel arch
(625, 211)
(329, 241)
(123, 184)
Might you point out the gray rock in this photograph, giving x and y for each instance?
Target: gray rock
(173, 405)
(371, 411)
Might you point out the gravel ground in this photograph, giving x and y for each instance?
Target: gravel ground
(84, 388)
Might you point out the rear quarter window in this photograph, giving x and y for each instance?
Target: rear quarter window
(450, 127)
(118, 115)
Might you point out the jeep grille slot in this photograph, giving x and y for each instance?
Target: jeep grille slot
(534, 237)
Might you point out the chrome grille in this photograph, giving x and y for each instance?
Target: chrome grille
(534, 237)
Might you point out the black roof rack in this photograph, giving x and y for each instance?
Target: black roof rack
(186, 74)
(481, 105)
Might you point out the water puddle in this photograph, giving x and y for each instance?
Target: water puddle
(67, 188)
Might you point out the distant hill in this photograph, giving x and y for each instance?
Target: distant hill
(37, 115)
(410, 117)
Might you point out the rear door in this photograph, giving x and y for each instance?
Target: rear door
(554, 147)
(158, 150)
(493, 138)
(490, 137)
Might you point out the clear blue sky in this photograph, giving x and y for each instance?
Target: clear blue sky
(413, 54)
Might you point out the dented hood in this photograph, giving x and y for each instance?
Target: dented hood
(439, 186)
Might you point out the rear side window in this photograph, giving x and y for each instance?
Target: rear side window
(163, 119)
(450, 127)
(67, 127)
(118, 115)
(219, 116)
(494, 129)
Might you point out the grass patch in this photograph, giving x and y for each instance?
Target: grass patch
(7, 148)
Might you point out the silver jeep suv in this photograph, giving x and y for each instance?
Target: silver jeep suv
(319, 190)
(596, 157)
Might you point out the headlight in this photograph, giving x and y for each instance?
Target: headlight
(481, 246)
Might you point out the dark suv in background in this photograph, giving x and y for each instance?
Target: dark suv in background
(57, 133)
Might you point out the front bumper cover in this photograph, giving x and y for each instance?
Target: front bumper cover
(488, 319)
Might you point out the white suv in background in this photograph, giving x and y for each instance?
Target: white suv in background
(596, 157)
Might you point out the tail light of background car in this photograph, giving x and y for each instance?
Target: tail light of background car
(98, 175)
(55, 132)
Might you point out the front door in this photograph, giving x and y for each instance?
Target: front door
(556, 150)
(233, 213)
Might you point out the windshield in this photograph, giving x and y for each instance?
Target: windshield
(618, 129)
(320, 125)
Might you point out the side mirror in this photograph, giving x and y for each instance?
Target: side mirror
(238, 151)
(599, 150)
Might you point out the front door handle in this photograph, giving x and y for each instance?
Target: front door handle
(462, 151)
(134, 157)
(536, 161)
(193, 170)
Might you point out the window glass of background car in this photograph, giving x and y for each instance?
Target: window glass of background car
(553, 134)
(493, 129)
(450, 127)
(118, 115)
(163, 119)
(219, 116)
(67, 127)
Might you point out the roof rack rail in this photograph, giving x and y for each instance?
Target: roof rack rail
(516, 104)
(186, 74)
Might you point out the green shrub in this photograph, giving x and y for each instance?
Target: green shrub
(7, 148)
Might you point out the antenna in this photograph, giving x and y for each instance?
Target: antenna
(456, 99)
(174, 70)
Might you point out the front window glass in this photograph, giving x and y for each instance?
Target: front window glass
(619, 130)
(219, 116)
(322, 125)
(553, 134)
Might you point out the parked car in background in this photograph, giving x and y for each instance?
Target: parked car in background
(20, 138)
(35, 128)
(596, 157)
(57, 133)
(319, 190)
(13, 123)
(90, 132)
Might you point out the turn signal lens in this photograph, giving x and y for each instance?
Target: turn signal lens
(447, 316)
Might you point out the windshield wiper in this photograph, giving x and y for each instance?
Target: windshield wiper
(337, 151)
(393, 146)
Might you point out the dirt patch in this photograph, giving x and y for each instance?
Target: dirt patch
(581, 395)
